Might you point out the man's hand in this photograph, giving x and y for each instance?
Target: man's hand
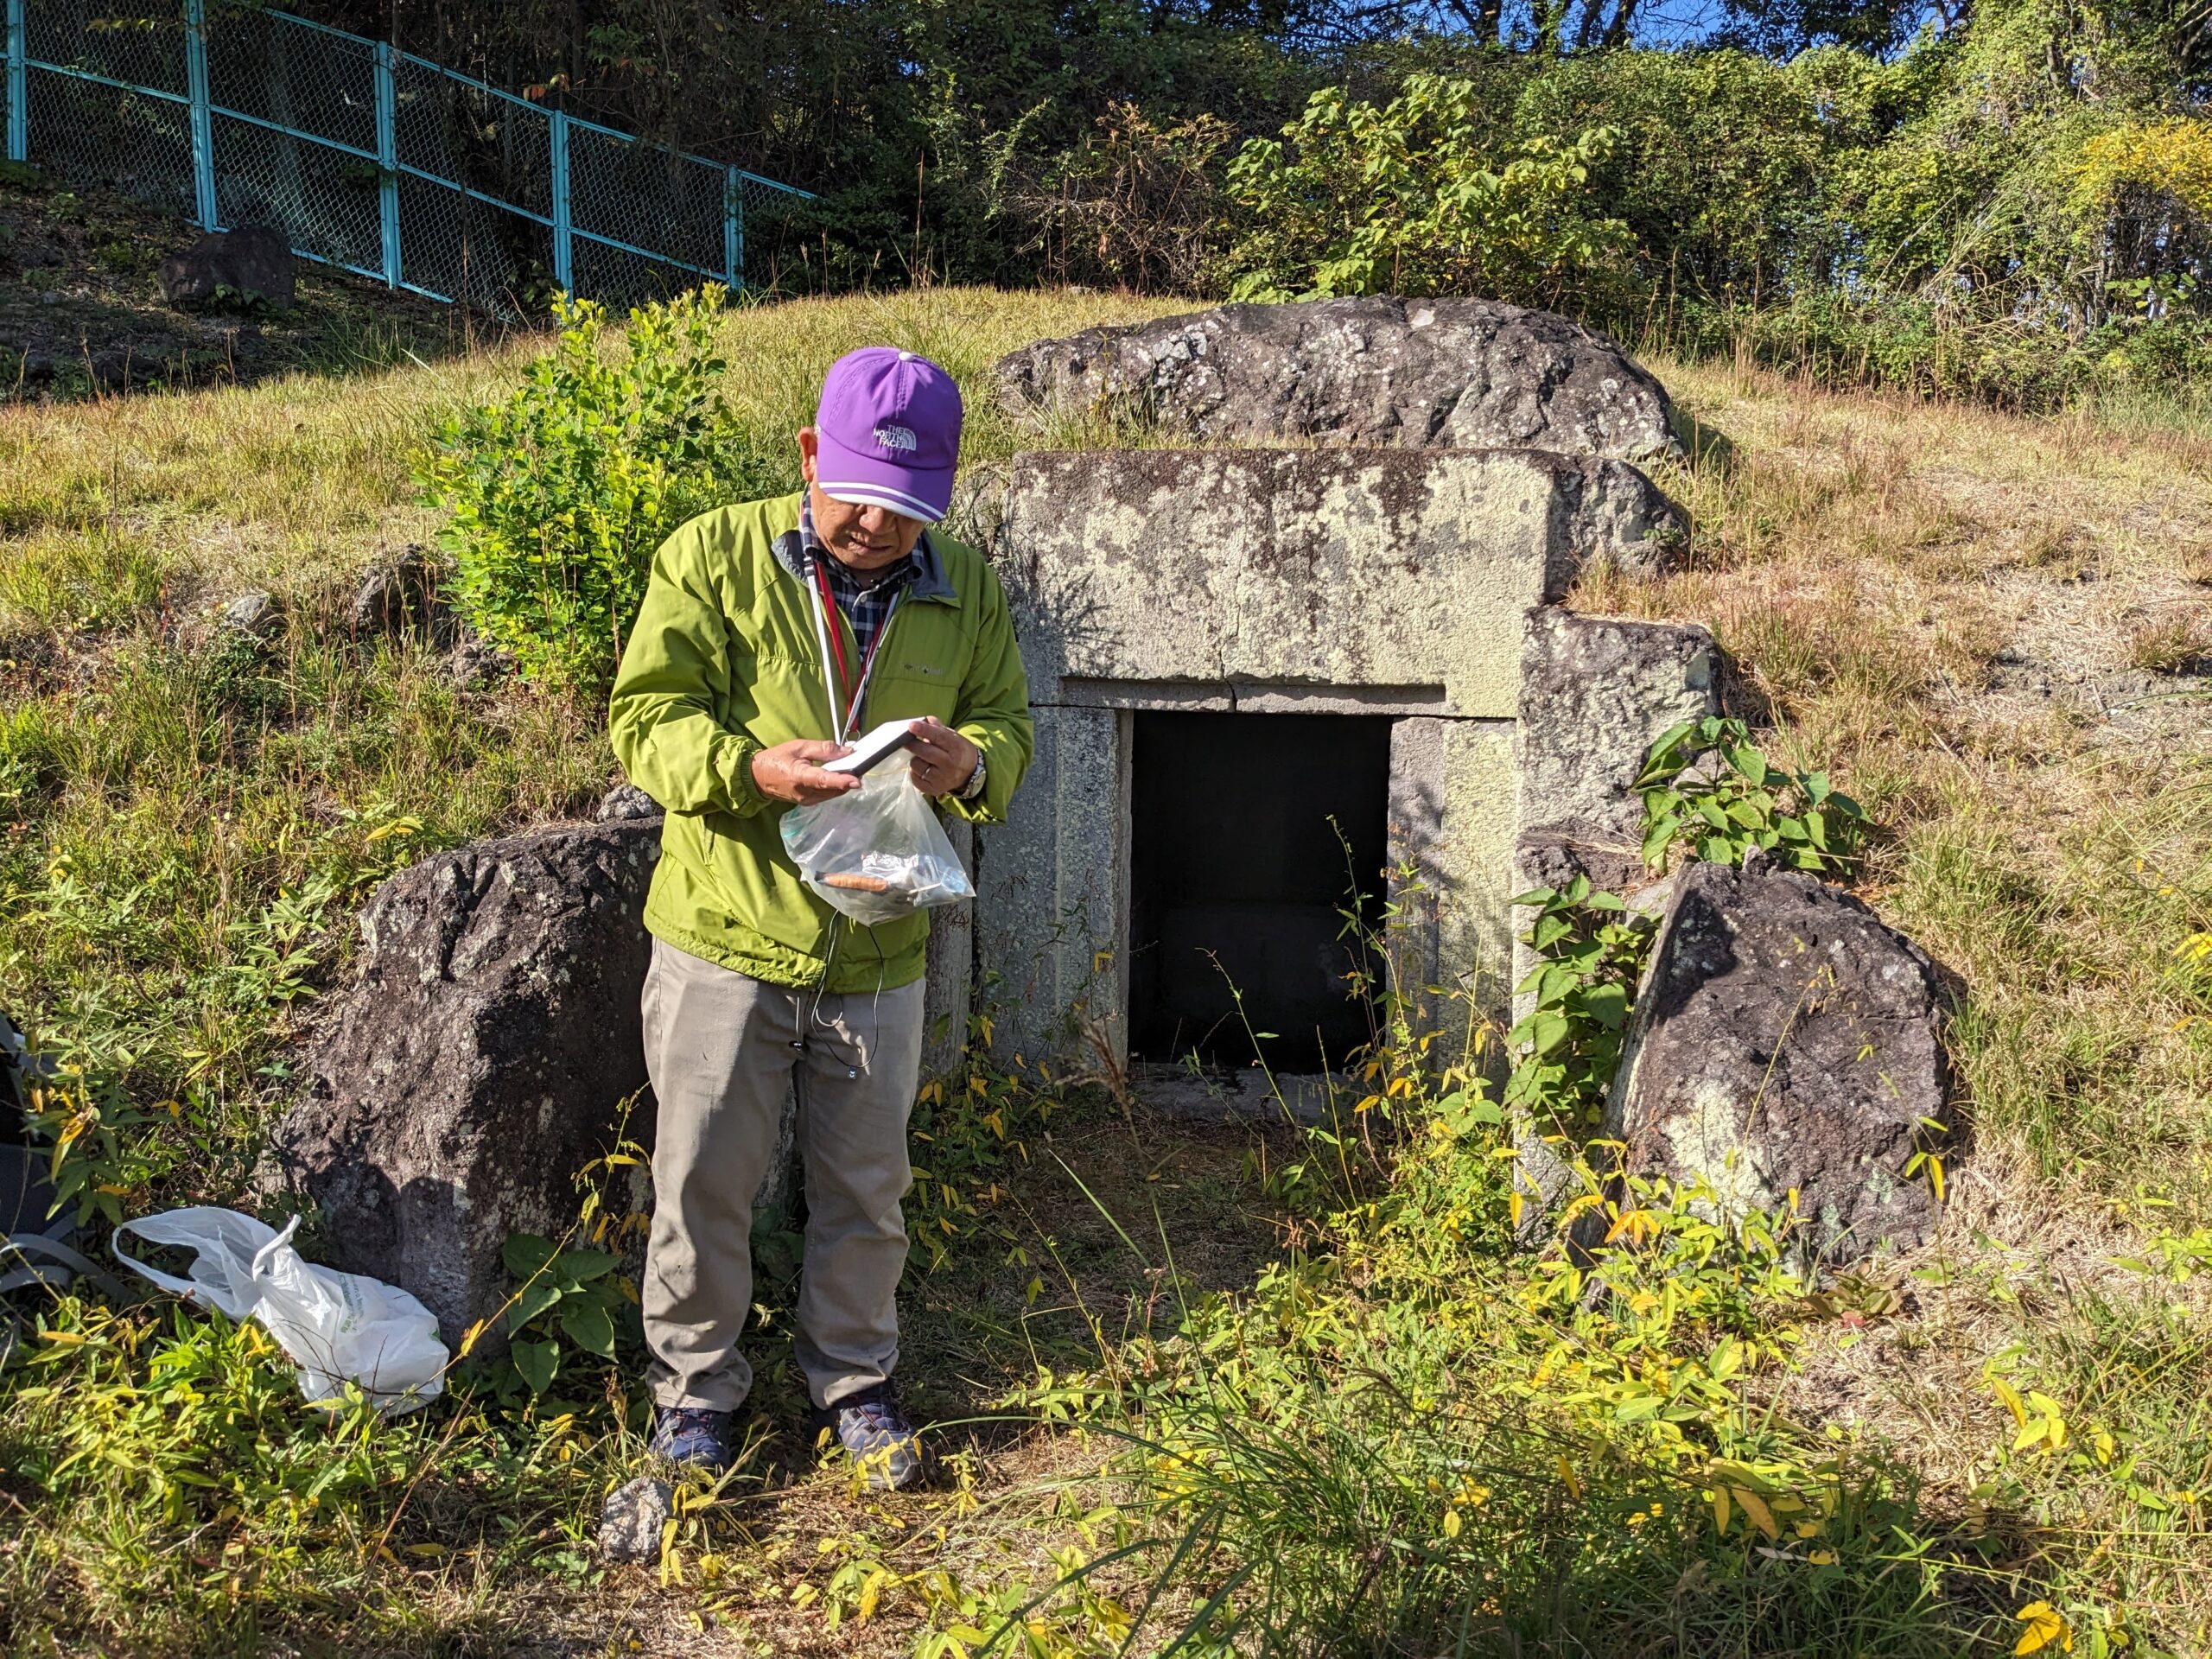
(792, 771)
(943, 760)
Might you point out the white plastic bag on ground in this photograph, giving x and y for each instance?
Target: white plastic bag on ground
(337, 1327)
(876, 853)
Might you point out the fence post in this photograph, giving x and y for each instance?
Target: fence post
(203, 129)
(388, 164)
(734, 232)
(19, 106)
(564, 269)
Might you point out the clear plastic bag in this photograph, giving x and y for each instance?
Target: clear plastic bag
(876, 853)
(336, 1327)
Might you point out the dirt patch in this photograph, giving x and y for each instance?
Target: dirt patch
(82, 316)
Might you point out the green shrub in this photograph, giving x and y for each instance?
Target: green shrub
(1722, 806)
(1408, 199)
(558, 494)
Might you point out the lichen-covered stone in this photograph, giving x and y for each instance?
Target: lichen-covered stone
(1596, 692)
(1436, 373)
(255, 614)
(1785, 1041)
(403, 596)
(1332, 567)
(623, 801)
(633, 1518)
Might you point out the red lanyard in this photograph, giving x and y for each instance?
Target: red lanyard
(846, 717)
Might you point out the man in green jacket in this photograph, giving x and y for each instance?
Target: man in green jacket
(771, 633)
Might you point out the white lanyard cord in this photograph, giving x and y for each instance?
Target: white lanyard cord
(841, 717)
(821, 649)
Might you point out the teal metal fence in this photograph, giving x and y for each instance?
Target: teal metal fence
(369, 158)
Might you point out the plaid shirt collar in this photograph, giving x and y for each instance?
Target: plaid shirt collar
(866, 603)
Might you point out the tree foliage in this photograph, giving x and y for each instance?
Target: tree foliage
(1405, 199)
(2009, 203)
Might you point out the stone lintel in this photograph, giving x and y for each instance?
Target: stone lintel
(1223, 697)
(1332, 568)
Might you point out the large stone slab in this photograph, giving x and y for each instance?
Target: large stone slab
(1785, 1040)
(1335, 569)
(479, 1061)
(1596, 692)
(252, 262)
(1441, 373)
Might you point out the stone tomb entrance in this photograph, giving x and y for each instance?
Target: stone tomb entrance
(1253, 840)
(1227, 647)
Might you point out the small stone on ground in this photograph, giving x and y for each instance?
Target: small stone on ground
(635, 1515)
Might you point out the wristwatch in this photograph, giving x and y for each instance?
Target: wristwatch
(974, 786)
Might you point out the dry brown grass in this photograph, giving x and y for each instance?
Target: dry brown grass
(1993, 628)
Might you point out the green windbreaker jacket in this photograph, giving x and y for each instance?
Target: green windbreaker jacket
(722, 663)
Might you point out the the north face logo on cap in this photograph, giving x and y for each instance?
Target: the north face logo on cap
(895, 437)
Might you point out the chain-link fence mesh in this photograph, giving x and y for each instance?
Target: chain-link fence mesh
(771, 219)
(327, 200)
(627, 190)
(467, 247)
(143, 45)
(90, 132)
(619, 279)
(294, 138)
(129, 142)
(274, 68)
(472, 137)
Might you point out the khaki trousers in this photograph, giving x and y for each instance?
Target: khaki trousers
(722, 1049)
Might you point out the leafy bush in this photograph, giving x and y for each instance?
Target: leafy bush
(557, 495)
(564, 1293)
(1407, 199)
(1738, 800)
(1590, 948)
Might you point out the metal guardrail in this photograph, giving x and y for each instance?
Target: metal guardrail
(369, 158)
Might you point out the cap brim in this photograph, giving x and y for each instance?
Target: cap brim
(846, 475)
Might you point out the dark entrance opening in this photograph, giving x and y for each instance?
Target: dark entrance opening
(1250, 835)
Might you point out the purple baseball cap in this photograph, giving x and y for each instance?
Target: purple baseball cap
(889, 431)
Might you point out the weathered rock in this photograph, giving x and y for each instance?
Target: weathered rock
(401, 597)
(633, 1519)
(253, 261)
(1784, 1040)
(1328, 567)
(256, 612)
(626, 800)
(479, 1061)
(1596, 692)
(475, 663)
(1467, 374)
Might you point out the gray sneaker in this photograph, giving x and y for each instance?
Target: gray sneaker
(693, 1436)
(874, 1432)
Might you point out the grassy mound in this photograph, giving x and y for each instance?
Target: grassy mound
(1272, 1390)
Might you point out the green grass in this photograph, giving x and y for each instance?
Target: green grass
(189, 780)
(1281, 1384)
